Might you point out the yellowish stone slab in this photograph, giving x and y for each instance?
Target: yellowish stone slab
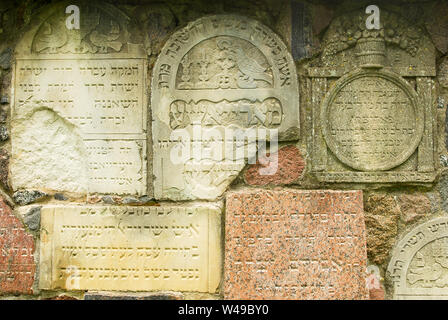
(131, 248)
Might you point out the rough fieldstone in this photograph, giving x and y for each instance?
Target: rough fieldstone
(26, 197)
(5, 59)
(382, 214)
(60, 197)
(437, 26)
(413, 206)
(133, 296)
(290, 168)
(17, 265)
(32, 219)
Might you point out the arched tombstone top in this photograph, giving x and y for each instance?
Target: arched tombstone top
(104, 29)
(219, 73)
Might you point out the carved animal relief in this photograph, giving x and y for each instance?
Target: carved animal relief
(213, 80)
(373, 123)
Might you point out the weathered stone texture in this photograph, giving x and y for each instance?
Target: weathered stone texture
(413, 207)
(294, 244)
(26, 197)
(223, 88)
(283, 167)
(382, 214)
(4, 168)
(17, 265)
(133, 296)
(437, 26)
(419, 265)
(122, 248)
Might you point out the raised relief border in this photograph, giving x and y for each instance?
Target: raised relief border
(375, 122)
(130, 248)
(217, 73)
(94, 79)
(419, 265)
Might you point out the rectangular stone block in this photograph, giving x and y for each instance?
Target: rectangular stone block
(131, 248)
(295, 244)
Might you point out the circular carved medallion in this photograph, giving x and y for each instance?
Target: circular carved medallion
(371, 120)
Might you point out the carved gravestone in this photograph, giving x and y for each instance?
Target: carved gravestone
(295, 244)
(217, 76)
(79, 111)
(419, 265)
(373, 103)
(123, 248)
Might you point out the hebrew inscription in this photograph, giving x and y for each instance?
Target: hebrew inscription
(372, 121)
(373, 103)
(419, 264)
(130, 248)
(92, 83)
(295, 245)
(214, 80)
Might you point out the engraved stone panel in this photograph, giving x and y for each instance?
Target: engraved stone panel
(371, 120)
(131, 248)
(83, 93)
(214, 79)
(373, 103)
(295, 245)
(419, 265)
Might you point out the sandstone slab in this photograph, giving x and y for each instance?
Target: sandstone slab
(130, 248)
(17, 265)
(219, 85)
(295, 245)
(419, 265)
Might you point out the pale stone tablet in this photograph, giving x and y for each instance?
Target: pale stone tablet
(214, 80)
(131, 248)
(79, 109)
(419, 265)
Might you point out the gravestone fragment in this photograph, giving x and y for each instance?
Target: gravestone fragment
(289, 166)
(79, 105)
(219, 84)
(419, 265)
(119, 248)
(373, 103)
(295, 245)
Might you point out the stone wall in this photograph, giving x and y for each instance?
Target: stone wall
(352, 204)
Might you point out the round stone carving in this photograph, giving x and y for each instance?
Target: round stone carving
(418, 268)
(371, 120)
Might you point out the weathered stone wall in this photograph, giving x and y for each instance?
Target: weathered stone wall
(63, 163)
